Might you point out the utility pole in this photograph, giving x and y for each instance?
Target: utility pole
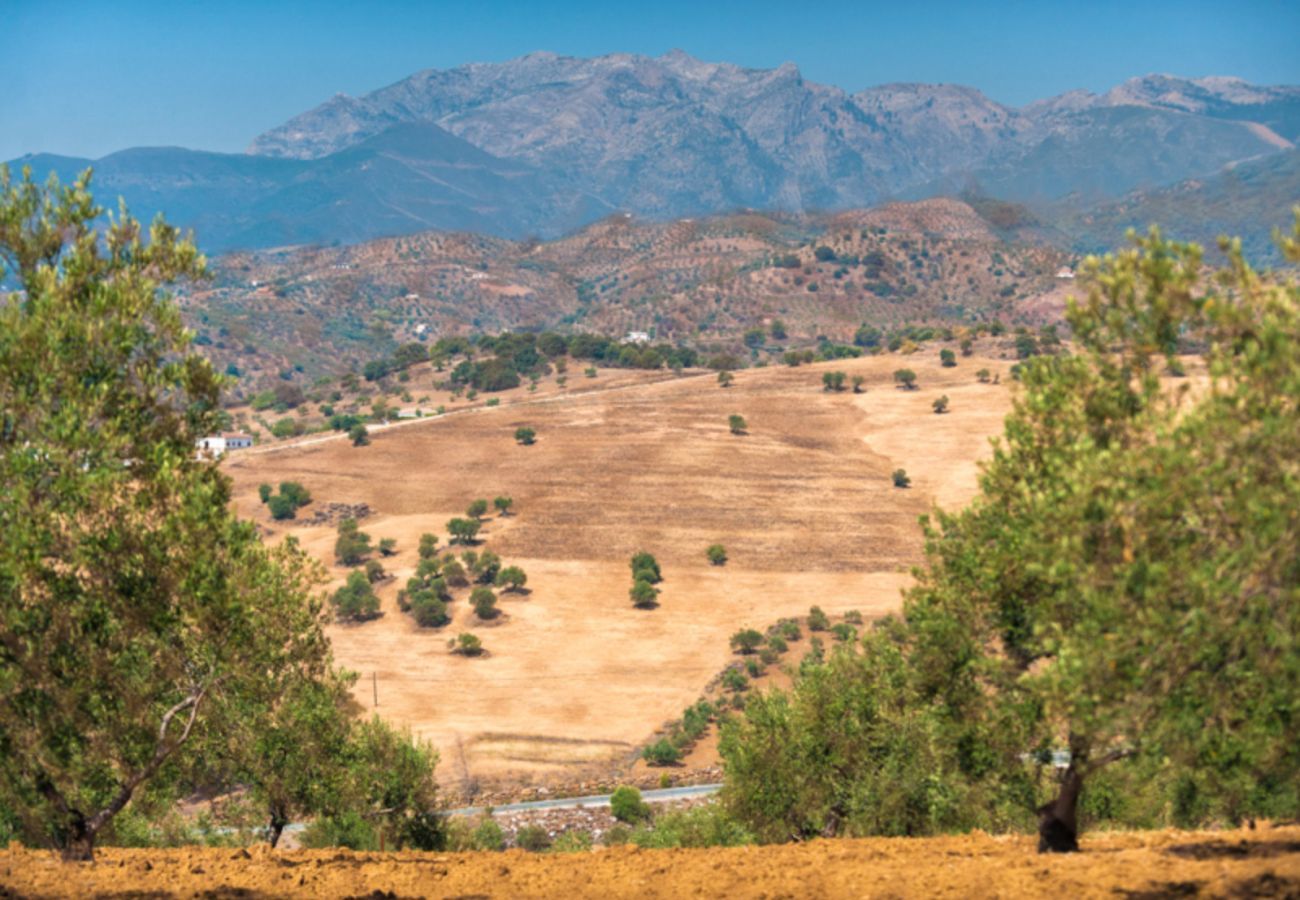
(374, 683)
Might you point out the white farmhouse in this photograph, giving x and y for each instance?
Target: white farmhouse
(637, 337)
(215, 445)
(1065, 273)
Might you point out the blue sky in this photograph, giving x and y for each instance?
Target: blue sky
(86, 79)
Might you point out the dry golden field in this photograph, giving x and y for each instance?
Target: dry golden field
(575, 678)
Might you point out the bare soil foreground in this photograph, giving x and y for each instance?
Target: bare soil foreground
(1261, 863)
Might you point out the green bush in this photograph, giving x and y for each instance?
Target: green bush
(626, 805)
(645, 568)
(282, 507)
(817, 619)
(525, 436)
(746, 641)
(264, 492)
(533, 838)
(488, 836)
(717, 554)
(708, 825)
(571, 842)
(643, 594)
(484, 603)
(900, 478)
(356, 600)
(661, 753)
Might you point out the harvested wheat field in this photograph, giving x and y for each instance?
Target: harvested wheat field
(575, 678)
(1158, 864)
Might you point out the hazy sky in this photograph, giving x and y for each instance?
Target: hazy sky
(85, 79)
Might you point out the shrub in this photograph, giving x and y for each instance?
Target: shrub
(627, 806)
(789, 629)
(725, 378)
(858, 381)
(853, 617)
(792, 358)
(982, 376)
(428, 609)
(746, 641)
(645, 568)
(590, 371)
(488, 836)
(484, 603)
(661, 753)
(833, 381)
(525, 436)
(264, 492)
(351, 546)
(575, 841)
(709, 825)
(282, 507)
(503, 505)
(466, 644)
(463, 531)
(817, 619)
(736, 423)
(454, 573)
(717, 554)
(356, 600)
(900, 479)
(776, 643)
(511, 578)
(941, 405)
(359, 435)
(905, 378)
(643, 594)
(477, 509)
(734, 680)
(533, 838)
(947, 358)
(374, 570)
(843, 632)
(428, 545)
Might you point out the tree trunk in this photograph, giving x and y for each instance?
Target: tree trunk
(1058, 821)
(276, 826)
(80, 844)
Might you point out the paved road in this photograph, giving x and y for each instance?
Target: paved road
(656, 796)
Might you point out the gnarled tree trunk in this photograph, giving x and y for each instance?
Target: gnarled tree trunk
(1058, 821)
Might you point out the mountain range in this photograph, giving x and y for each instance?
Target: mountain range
(543, 144)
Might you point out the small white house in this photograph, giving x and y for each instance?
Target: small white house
(215, 445)
(1065, 273)
(637, 337)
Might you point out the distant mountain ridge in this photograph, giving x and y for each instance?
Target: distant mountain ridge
(545, 143)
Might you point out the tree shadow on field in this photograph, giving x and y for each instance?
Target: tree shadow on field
(1235, 850)
(1260, 886)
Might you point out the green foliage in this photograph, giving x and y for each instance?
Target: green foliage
(858, 381)
(983, 376)
(463, 531)
(746, 641)
(947, 358)
(525, 436)
(428, 545)
(901, 479)
(626, 805)
(717, 554)
(778, 330)
(503, 505)
(489, 836)
(282, 507)
(817, 619)
(352, 545)
(644, 594)
(387, 546)
(264, 491)
(725, 378)
(754, 338)
(356, 600)
(737, 423)
(374, 570)
(940, 405)
(572, 842)
(661, 753)
(467, 644)
(477, 509)
(734, 680)
(295, 492)
(137, 614)
(905, 378)
(833, 381)
(511, 578)
(484, 603)
(701, 826)
(645, 568)
(533, 838)
(359, 435)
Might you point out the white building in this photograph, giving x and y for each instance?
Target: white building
(215, 445)
(637, 337)
(1065, 273)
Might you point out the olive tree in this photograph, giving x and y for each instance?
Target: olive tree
(137, 614)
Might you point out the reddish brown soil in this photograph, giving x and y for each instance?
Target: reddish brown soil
(1262, 863)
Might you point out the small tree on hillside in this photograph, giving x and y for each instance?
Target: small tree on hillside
(463, 531)
(645, 567)
(725, 378)
(626, 805)
(484, 603)
(525, 436)
(359, 435)
(503, 505)
(737, 423)
(477, 509)
(817, 619)
(858, 381)
(356, 600)
(466, 644)
(388, 547)
(900, 479)
(264, 492)
(982, 376)
(643, 594)
(905, 378)
(717, 554)
(352, 544)
(746, 641)
(511, 578)
(941, 405)
(428, 545)
(282, 507)
(947, 358)
(833, 381)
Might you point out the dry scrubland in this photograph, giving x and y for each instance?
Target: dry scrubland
(1159, 864)
(575, 678)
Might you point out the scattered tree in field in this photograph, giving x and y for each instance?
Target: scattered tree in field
(590, 371)
(717, 554)
(138, 615)
(737, 423)
(282, 507)
(905, 378)
(466, 644)
(503, 505)
(725, 378)
(792, 358)
(982, 376)
(359, 435)
(352, 544)
(941, 405)
(833, 381)
(645, 568)
(387, 546)
(511, 578)
(463, 531)
(843, 632)
(900, 479)
(356, 600)
(947, 358)
(818, 620)
(734, 680)
(374, 570)
(484, 603)
(428, 545)
(298, 495)
(661, 753)
(264, 491)
(454, 572)
(477, 510)
(484, 567)
(858, 381)
(525, 436)
(967, 347)
(777, 330)
(429, 610)
(746, 641)
(626, 805)
(644, 595)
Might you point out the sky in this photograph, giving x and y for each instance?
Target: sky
(86, 79)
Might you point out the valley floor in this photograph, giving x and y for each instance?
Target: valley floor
(1259, 863)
